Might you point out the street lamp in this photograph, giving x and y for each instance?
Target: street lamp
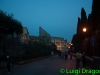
(85, 39)
(84, 29)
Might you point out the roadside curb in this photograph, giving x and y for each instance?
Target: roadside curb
(31, 60)
(24, 62)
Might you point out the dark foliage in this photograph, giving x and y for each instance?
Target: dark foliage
(92, 23)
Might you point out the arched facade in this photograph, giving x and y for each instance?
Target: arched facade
(25, 35)
(60, 43)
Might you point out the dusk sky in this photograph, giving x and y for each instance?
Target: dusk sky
(58, 17)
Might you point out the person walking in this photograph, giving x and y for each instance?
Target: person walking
(59, 54)
(70, 55)
(8, 64)
(66, 55)
(62, 54)
(52, 54)
(8, 60)
(83, 59)
(78, 59)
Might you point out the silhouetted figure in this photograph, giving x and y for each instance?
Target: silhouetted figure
(52, 54)
(62, 54)
(71, 55)
(8, 60)
(8, 64)
(78, 59)
(59, 54)
(66, 55)
(84, 60)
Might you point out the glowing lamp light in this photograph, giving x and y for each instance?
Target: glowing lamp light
(84, 29)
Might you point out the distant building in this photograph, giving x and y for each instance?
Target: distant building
(60, 43)
(44, 35)
(25, 35)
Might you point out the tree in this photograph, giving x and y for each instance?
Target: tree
(7, 21)
(96, 24)
(83, 16)
(54, 48)
(90, 18)
(78, 25)
(9, 26)
(74, 39)
(90, 27)
(95, 14)
(82, 22)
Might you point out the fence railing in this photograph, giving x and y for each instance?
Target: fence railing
(93, 62)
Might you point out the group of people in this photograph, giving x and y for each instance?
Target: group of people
(63, 54)
(78, 55)
(80, 58)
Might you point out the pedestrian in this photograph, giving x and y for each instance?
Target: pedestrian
(83, 59)
(70, 55)
(78, 59)
(52, 54)
(8, 64)
(62, 54)
(59, 54)
(66, 55)
(8, 60)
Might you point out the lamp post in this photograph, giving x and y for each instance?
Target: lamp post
(84, 30)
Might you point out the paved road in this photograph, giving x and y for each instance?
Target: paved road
(47, 66)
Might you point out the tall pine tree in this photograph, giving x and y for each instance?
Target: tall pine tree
(89, 23)
(83, 23)
(83, 16)
(96, 14)
(78, 25)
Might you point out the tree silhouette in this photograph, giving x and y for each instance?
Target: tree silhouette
(74, 39)
(9, 26)
(82, 22)
(83, 15)
(7, 21)
(90, 27)
(95, 22)
(95, 14)
(78, 26)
